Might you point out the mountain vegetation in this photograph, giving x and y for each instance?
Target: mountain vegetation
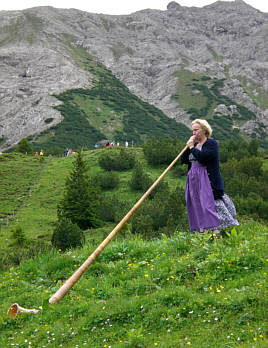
(106, 111)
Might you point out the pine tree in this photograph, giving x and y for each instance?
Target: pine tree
(80, 200)
(24, 147)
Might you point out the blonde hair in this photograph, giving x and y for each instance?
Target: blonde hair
(205, 126)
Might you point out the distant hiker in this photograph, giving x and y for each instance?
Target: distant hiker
(208, 207)
(36, 154)
(41, 153)
(65, 152)
(126, 144)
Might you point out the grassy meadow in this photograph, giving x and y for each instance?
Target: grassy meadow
(177, 291)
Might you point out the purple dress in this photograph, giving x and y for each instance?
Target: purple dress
(205, 213)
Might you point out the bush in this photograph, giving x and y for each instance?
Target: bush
(24, 147)
(253, 206)
(179, 170)
(119, 161)
(238, 149)
(111, 209)
(251, 166)
(67, 235)
(19, 236)
(108, 180)
(162, 214)
(163, 151)
(139, 181)
(143, 225)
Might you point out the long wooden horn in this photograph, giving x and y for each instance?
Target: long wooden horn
(15, 308)
(78, 273)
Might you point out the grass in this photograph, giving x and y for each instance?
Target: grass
(176, 291)
(260, 98)
(171, 292)
(19, 174)
(187, 97)
(40, 185)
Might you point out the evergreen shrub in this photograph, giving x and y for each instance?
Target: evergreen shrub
(67, 235)
(162, 214)
(24, 147)
(111, 209)
(245, 177)
(179, 170)
(117, 160)
(19, 236)
(162, 151)
(81, 196)
(108, 180)
(140, 180)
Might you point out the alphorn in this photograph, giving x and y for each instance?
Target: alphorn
(62, 291)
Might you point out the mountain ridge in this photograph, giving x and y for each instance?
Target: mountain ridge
(145, 50)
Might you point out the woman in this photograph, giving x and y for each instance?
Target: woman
(208, 207)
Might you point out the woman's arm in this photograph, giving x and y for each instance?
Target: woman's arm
(185, 157)
(208, 152)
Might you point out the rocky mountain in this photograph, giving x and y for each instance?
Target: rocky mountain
(208, 62)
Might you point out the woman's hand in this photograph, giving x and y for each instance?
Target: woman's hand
(191, 142)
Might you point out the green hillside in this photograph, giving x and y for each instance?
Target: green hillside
(106, 111)
(34, 202)
(174, 290)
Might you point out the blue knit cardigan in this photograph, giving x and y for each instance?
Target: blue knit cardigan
(208, 156)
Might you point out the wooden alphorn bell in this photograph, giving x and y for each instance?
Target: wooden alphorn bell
(15, 309)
